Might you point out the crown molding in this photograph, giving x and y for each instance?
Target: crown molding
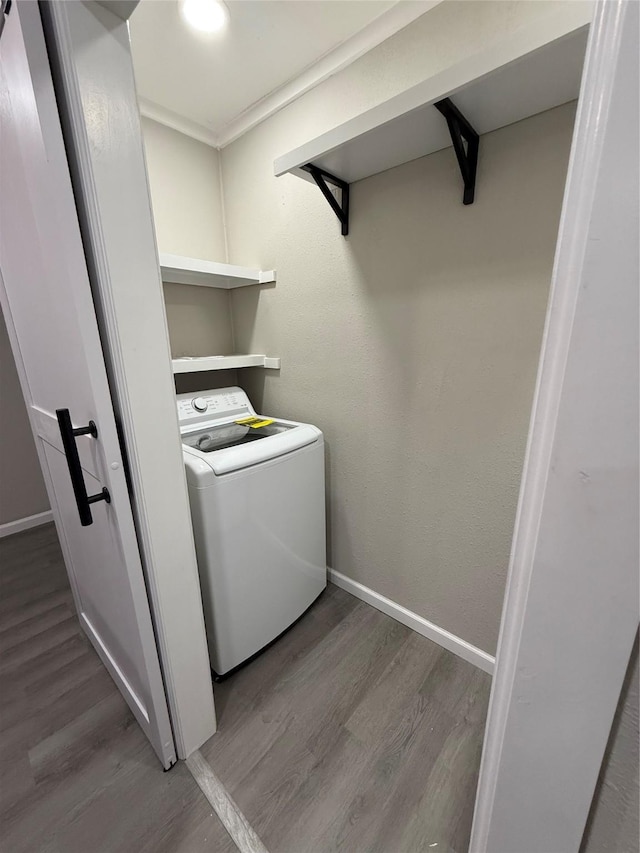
(123, 9)
(377, 31)
(160, 114)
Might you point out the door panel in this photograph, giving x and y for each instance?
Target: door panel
(46, 299)
(47, 427)
(104, 610)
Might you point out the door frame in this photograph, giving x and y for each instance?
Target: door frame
(90, 59)
(567, 630)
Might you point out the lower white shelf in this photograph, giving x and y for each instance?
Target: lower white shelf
(222, 362)
(179, 270)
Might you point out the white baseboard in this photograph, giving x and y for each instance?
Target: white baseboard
(25, 523)
(422, 626)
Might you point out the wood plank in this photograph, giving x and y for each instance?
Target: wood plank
(330, 738)
(76, 772)
(351, 733)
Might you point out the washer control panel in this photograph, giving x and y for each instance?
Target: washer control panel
(210, 406)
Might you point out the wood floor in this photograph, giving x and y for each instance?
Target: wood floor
(76, 773)
(352, 733)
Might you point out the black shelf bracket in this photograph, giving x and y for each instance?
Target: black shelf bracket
(465, 142)
(323, 179)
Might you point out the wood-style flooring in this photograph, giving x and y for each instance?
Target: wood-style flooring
(352, 733)
(77, 775)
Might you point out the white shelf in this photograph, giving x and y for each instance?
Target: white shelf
(537, 68)
(223, 362)
(179, 270)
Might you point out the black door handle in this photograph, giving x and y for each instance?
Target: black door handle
(68, 435)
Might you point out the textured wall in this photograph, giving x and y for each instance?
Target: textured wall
(613, 825)
(184, 178)
(22, 491)
(199, 320)
(414, 343)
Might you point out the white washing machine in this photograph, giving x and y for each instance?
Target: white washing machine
(256, 489)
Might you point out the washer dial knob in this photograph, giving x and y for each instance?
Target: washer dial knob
(199, 404)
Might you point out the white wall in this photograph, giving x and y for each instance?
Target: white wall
(22, 491)
(184, 178)
(414, 343)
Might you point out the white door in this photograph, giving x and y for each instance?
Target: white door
(47, 302)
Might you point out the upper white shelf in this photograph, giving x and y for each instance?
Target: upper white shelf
(179, 270)
(535, 69)
(199, 364)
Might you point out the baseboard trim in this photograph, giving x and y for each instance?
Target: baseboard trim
(444, 638)
(25, 523)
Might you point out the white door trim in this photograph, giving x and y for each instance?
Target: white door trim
(90, 55)
(570, 612)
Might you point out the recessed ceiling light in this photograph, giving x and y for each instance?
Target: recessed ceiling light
(208, 16)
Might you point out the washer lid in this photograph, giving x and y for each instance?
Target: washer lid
(220, 436)
(231, 447)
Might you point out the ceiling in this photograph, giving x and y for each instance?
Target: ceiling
(212, 80)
